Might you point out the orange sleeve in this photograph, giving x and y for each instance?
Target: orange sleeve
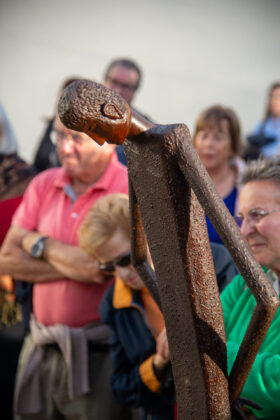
(148, 376)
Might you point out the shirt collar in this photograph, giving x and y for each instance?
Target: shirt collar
(122, 295)
(62, 179)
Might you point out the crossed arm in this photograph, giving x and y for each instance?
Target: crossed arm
(59, 259)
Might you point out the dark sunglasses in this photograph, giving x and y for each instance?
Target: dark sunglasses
(110, 267)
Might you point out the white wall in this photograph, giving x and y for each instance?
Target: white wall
(193, 54)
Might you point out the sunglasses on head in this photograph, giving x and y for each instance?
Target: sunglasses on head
(110, 267)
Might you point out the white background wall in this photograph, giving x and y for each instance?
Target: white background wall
(193, 54)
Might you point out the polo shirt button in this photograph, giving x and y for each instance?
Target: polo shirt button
(74, 215)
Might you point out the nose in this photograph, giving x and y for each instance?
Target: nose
(66, 145)
(119, 89)
(123, 272)
(209, 140)
(246, 229)
(115, 86)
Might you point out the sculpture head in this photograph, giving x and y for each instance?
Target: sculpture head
(95, 110)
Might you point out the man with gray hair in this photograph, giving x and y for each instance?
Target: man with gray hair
(64, 366)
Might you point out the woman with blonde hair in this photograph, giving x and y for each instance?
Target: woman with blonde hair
(139, 348)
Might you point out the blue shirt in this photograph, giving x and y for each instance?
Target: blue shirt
(271, 128)
(230, 203)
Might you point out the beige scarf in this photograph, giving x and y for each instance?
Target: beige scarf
(73, 345)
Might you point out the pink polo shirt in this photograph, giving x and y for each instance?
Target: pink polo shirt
(47, 207)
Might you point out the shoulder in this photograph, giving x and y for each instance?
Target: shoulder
(224, 265)
(234, 289)
(116, 166)
(48, 177)
(21, 164)
(115, 179)
(147, 117)
(221, 256)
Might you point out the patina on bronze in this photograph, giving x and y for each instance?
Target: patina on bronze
(168, 187)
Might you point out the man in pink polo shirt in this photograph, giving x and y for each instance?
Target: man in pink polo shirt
(64, 364)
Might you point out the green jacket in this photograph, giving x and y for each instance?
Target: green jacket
(263, 382)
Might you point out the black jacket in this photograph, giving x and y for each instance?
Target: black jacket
(133, 381)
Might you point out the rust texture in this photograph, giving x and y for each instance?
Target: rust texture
(263, 291)
(168, 189)
(175, 227)
(99, 112)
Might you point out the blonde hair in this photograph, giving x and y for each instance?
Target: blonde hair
(108, 214)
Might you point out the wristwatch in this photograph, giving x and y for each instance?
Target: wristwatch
(38, 248)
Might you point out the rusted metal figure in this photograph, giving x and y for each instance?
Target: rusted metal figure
(168, 187)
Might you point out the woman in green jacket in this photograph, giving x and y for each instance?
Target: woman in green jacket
(259, 219)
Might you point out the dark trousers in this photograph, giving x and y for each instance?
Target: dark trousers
(11, 340)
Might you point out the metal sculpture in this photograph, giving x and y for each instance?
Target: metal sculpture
(168, 187)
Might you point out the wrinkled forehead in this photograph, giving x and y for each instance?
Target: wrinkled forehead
(59, 126)
(259, 194)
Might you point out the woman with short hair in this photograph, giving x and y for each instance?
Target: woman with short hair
(217, 140)
(139, 348)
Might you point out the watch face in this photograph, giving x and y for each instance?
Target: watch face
(36, 251)
(38, 248)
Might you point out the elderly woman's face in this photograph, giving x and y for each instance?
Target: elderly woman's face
(214, 146)
(260, 211)
(115, 252)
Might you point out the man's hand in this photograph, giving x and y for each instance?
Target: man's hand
(17, 262)
(69, 260)
(59, 260)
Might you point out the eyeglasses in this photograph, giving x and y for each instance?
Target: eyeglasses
(124, 86)
(57, 137)
(253, 217)
(110, 267)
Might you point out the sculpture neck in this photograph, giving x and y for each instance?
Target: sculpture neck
(138, 124)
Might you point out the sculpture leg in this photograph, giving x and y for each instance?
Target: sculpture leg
(139, 247)
(176, 232)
